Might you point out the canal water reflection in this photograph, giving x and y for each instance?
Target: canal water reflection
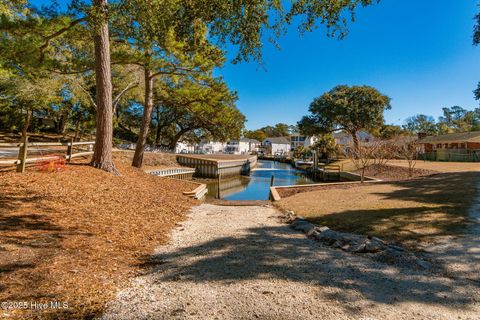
(257, 185)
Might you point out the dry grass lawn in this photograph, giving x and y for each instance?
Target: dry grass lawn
(440, 166)
(77, 236)
(403, 211)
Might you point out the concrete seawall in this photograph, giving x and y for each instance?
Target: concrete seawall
(218, 166)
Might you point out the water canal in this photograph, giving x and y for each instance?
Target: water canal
(257, 185)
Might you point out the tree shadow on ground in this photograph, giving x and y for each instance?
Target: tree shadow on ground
(28, 238)
(24, 227)
(456, 189)
(272, 252)
(440, 207)
(437, 213)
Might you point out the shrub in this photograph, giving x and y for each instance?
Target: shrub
(58, 163)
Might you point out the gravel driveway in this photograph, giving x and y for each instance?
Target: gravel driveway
(244, 263)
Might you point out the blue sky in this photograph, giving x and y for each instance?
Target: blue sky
(418, 52)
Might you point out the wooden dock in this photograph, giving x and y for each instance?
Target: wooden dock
(330, 172)
(178, 173)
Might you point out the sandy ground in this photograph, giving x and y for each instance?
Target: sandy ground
(461, 254)
(439, 166)
(244, 263)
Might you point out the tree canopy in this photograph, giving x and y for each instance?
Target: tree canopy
(192, 111)
(350, 109)
(278, 130)
(326, 146)
(420, 123)
(454, 119)
(91, 40)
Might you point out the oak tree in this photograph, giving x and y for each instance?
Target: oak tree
(350, 109)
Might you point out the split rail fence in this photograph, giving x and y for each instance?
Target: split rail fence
(24, 146)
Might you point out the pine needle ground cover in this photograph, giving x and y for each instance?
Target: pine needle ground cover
(76, 236)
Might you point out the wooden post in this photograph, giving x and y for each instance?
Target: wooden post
(272, 180)
(218, 186)
(70, 150)
(22, 155)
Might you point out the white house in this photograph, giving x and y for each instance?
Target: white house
(253, 144)
(211, 147)
(276, 145)
(184, 147)
(242, 146)
(297, 140)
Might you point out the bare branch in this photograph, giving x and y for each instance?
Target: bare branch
(129, 87)
(90, 98)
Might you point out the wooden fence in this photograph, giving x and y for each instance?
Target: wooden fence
(25, 146)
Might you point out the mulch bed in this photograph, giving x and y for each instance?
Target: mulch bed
(395, 173)
(77, 236)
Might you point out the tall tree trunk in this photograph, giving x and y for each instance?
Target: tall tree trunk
(77, 129)
(62, 123)
(26, 124)
(102, 152)
(355, 140)
(173, 143)
(159, 127)
(147, 117)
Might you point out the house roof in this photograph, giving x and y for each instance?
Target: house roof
(278, 140)
(249, 140)
(473, 136)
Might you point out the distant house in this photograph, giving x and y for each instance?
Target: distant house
(211, 147)
(242, 146)
(297, 140)
(464, 146)
(184, 147)
(345, 140)
(276, 146)
(253, 144)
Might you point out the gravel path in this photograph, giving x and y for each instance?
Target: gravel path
(460, 255)
(244, 263)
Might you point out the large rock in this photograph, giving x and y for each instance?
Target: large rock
(302, 225)
(375, 245)
(377, 248)
(321, 229)
(358, 247)
(329, 236)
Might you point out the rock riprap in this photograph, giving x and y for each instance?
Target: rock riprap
(376, 248)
